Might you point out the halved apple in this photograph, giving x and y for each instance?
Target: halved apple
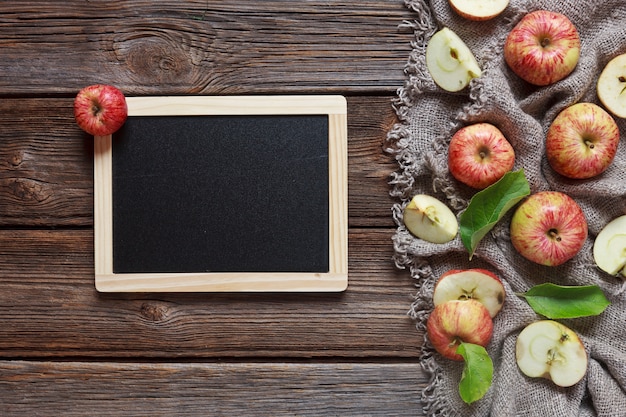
(430, 219)
(550, 350)
(450, 62)
(477, 284)
(478, 9)
(609, 248)
(611, 87)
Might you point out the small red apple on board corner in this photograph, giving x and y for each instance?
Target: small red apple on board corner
(100, 109)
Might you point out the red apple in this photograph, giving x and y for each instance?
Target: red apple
(582, 141)
(543, 47)
(548, 228)
(471, 284)
(100, 109)
(455, 322)
(479, 155)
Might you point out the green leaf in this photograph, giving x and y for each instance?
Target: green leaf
(488, 206)
(477, 372)
(566, 302)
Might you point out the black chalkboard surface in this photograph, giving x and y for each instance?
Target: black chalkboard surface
(223, 194)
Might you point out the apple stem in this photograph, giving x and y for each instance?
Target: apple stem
(589, 144)
(545, 42)
(554, 234)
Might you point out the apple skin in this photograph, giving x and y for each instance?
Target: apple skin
(479, 155)
(457, 321)
(548, 228)
(582, 141)
(543, 48)
(100, 109)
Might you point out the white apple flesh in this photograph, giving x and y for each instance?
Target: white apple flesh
(611, 87)
(609, 248)
(471, 284)
(430, 219)
(478, 9)
(548, 349)
(450, 62)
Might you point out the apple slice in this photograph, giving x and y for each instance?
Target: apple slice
(470, 284)
(550, 350)
(609, 248)
(450, 62)
(478, 9)
(611, 87)
(430, 219)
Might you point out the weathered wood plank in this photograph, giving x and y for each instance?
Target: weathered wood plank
(49, 308)
(218, 389)
(203, 47)
(46, 164)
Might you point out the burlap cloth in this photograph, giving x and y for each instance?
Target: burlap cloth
(427, 118)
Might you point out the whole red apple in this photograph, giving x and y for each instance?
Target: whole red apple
(479, 155)
(548, 228)
(100, 109)
(582, 141)
(543, 47)
(455, 322)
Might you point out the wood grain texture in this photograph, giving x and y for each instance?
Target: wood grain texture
(203, 47)
(46, 164)
(217, 389)
(68, 350)
(50, 308)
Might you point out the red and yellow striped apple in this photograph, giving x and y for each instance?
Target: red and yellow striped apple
(479, 155)
(543, 48)
(548, 228)
(582, 141)
(455, 322)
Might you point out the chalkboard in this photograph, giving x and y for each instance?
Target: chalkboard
(223, 194)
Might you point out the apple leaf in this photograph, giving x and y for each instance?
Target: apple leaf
(566, 302)
(489, 205)
(477, 372)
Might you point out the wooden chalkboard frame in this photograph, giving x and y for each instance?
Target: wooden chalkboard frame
(335, 280)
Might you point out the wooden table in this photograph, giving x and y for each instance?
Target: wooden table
(68, 350)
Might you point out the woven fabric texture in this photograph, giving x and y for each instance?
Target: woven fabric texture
(428, 116)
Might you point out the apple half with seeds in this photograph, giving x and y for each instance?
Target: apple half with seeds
(609, 248)
(611, 87)
(450, 62)
(478, 9)
(550, 350)
(471, 284)
(430, 219)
